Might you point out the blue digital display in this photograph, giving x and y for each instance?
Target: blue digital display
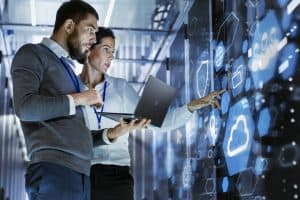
(264, 122)
(288, 60)
(238, 137)
(264, 50)
(235, 152)
(238, 76)
(219, 56)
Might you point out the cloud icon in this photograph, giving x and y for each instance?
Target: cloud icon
(234, 145)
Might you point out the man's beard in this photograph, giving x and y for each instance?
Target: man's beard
(74, 48)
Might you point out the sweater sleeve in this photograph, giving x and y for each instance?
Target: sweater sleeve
(27, 74)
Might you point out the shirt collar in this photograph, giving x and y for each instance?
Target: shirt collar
(108, 79)
(55, 47)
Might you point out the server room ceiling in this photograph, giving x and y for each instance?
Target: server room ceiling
(140, 27)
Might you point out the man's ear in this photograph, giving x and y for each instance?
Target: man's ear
(69, 26)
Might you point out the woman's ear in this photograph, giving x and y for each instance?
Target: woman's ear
(69, 26)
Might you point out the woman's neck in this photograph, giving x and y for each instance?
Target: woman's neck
(91, 77)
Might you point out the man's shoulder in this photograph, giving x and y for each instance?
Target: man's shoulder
(32, 49)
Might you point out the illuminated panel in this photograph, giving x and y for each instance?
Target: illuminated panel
(262, 64)
(214, 125)
(202, 78)
(289, 57)
(219, 56)
(225, 101)
(230, 23)
(264, 121)
(238, 76)
(238, 137)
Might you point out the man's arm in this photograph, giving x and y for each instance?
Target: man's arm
(27, 75)
(110, 135)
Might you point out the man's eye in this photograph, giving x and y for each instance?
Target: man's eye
(90, 30)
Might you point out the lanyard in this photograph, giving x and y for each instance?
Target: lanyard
(71, 74)
(98, 114)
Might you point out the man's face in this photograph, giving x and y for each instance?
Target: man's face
(82, 38)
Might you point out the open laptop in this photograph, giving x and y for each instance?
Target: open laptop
(153, 104)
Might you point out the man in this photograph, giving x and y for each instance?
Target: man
(47, 99)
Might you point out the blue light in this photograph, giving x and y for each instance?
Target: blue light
(224, 82)
(264, 49)
(219, 56)
(248, 84)
(214, 125)
(227, 66)
(200, 122)
(245, 46)
(202, 78)
(225, 102)
(238, 76)
(259, 7)
(260, 165)
(264, 121)
(238, 137)
(225, 184)
(282, 3)
(258, 100)
(288, 60)
(286, 21)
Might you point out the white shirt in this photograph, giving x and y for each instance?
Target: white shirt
(122, 98)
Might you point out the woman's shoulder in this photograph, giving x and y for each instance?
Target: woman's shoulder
(116, 80)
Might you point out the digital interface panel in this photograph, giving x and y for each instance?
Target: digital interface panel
(248, 149)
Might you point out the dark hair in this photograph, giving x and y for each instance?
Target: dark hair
(76, 10)
(102, 33)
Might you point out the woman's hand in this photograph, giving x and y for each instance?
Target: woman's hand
(211, 99)
(123, 127)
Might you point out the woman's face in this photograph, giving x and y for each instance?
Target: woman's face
(101, 55)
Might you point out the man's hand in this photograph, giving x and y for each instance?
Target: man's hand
(88, 97)
(210, 99)
(123, 128)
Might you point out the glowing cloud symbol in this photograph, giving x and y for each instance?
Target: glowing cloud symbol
(233, 152)
(238, 136)
(265, 49)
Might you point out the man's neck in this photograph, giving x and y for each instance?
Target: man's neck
(60, 40)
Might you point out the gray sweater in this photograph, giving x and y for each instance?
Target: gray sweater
(40, 85)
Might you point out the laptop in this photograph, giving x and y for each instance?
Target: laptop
(153, 104)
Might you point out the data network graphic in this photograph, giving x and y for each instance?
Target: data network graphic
(249, 149)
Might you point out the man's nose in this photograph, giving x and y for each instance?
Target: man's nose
(112, 56)
(93, 39)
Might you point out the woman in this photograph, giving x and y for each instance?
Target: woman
(110, 172)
